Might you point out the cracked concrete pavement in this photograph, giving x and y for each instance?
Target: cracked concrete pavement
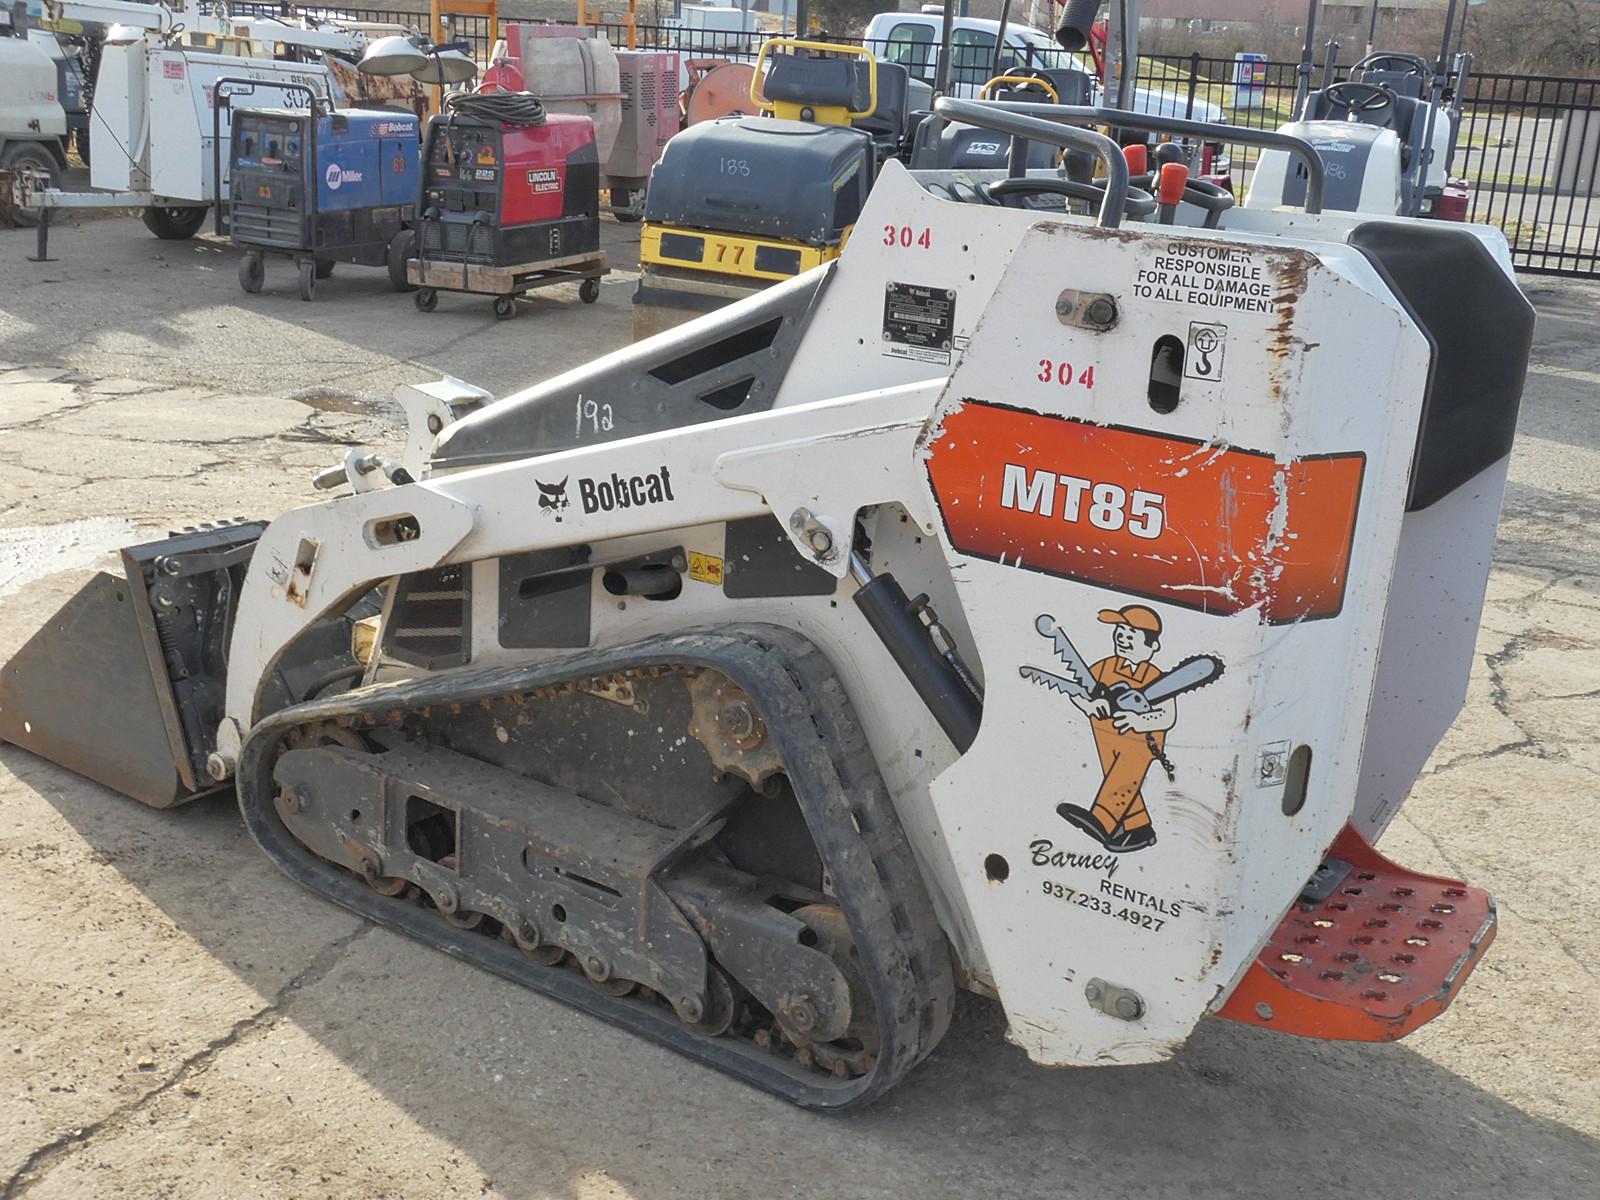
(179, 1020)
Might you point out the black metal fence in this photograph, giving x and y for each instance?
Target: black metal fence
(1528, 146)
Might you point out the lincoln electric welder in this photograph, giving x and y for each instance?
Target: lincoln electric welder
(510, 202)
(322, 187)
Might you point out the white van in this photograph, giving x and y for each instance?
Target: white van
(912, 40)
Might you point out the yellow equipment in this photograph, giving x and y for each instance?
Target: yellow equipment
(740, 203)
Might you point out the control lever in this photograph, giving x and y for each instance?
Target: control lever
(1170, 187)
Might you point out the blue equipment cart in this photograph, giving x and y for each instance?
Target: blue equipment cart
(321, 187)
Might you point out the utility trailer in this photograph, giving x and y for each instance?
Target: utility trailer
(152, 123)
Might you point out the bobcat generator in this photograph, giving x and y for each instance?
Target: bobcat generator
(320, 187)
(510, 202)
(1027, 601)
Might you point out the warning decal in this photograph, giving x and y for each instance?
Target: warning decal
(1203, 357)
(1208, 275)
(1206, 527)
(918, 322)
(707, 568)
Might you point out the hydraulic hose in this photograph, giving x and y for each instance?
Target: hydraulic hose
(509, 108)
(1077, 18)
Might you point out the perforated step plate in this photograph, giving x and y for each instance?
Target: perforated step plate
(1385, 952)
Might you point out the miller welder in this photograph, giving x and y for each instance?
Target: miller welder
(321, 187)
(510, 202)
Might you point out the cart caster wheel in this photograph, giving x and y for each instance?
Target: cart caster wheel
(426, 299)
(308, 280)
(505, 307)
(324, 268)
(589, 291)
(252, 272)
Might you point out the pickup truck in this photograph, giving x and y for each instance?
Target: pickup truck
(912, 40)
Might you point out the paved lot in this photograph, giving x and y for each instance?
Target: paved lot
(177, 1020)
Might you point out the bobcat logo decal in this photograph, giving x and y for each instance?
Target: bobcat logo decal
(553, 497)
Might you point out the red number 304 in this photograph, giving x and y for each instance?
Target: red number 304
(905, 236)
(1061, 372)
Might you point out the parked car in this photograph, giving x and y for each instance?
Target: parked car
(912, 40)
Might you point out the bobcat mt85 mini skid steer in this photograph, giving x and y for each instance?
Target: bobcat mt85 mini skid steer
(1053, 605)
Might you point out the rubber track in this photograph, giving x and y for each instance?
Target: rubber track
(847, 807)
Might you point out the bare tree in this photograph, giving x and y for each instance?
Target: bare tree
(846, 16)
(1560, 37)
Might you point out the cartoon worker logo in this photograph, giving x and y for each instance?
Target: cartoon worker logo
(1131, 704)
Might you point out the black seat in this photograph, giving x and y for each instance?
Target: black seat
(1072, 86)
(887, 124)
(1411, 123)
(1401, 83)
(801, 77)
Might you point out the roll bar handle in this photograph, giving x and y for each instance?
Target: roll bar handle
(1084, 114)
(1022, 121)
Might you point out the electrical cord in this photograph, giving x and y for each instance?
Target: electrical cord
(509, 108)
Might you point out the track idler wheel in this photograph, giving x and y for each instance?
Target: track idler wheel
(856, 1051)
(715, 1017)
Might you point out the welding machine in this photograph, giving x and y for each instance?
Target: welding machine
(321, 187)
(510, 202)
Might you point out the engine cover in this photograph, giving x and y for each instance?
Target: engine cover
(763, 178)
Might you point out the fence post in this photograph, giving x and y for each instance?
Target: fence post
(1194, 82)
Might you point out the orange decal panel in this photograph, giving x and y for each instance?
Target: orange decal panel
(1213, 528)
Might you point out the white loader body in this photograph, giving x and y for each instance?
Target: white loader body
(1029, 469)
